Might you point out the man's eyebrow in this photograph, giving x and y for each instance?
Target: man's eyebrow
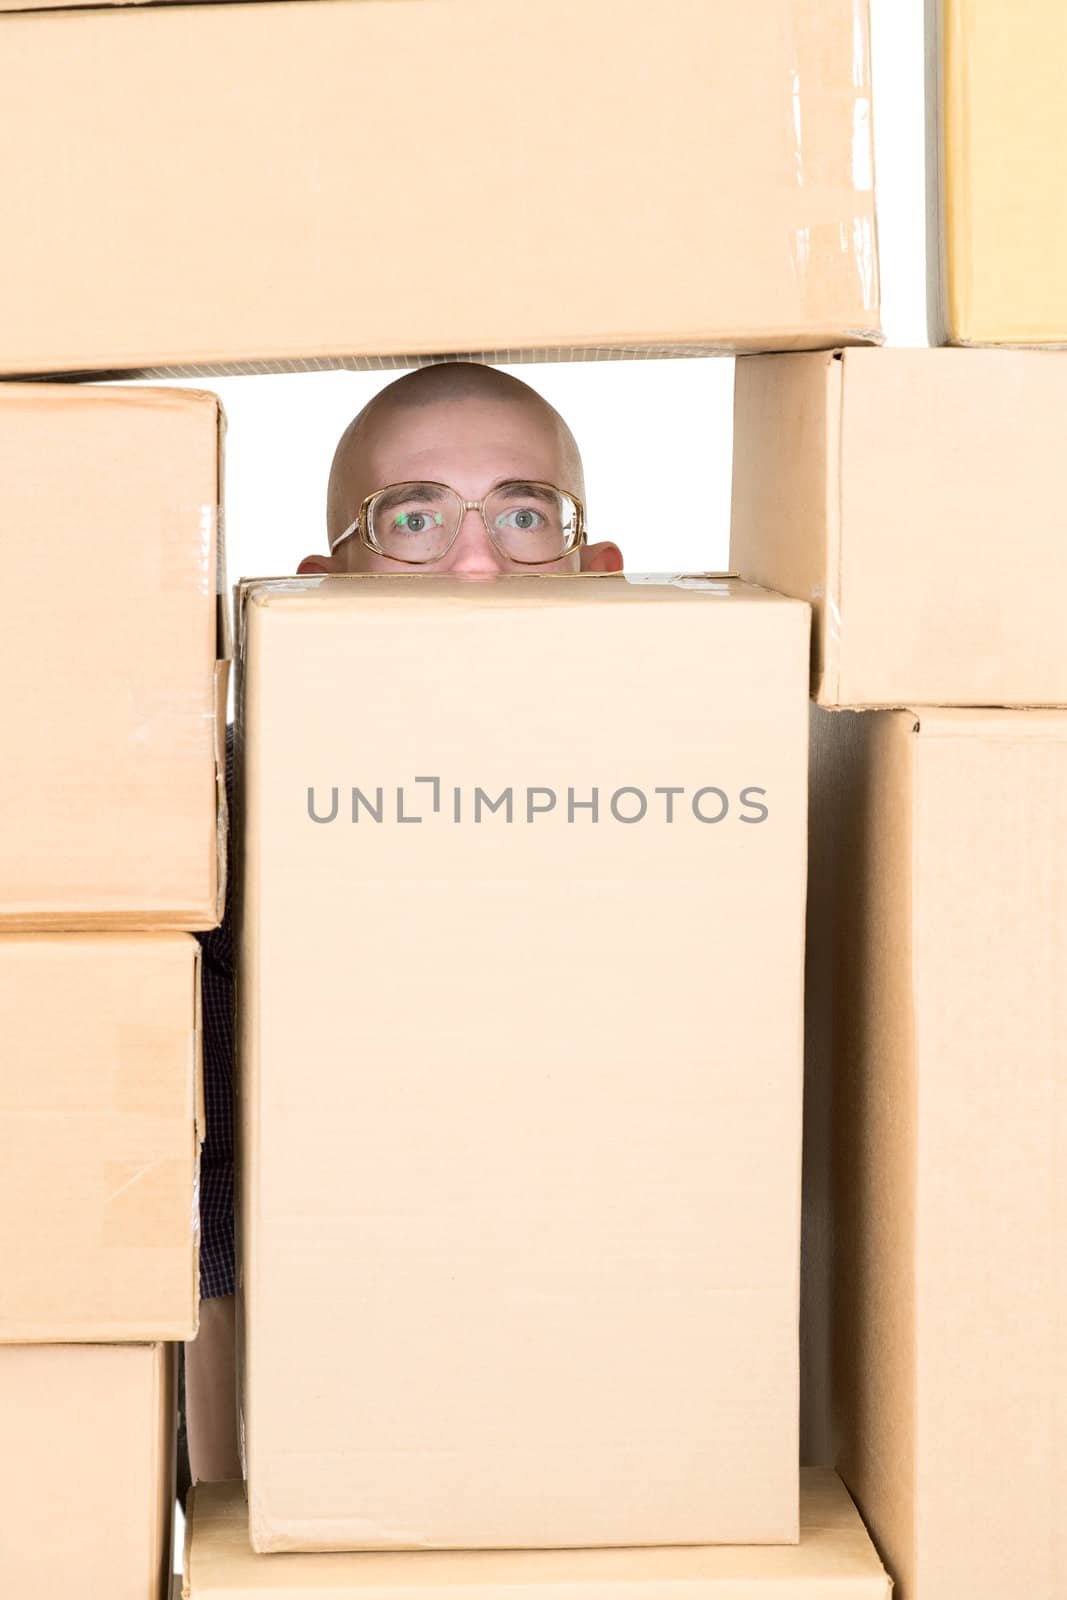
(400, 494)
(529, 489)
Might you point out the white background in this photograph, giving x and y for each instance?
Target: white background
(641, 425)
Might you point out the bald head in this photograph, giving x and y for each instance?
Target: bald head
(445, 422)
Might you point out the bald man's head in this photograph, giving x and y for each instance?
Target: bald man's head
(448, 397)
(470, 427)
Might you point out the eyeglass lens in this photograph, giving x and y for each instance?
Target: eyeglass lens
(530, 522)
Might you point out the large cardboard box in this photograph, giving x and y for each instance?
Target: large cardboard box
(997, 129)
(87, 1471)
(938, 1014)
(101, 1121)
(521, 1078)
(110, 629)
(915, 497)
(368, 183)
(834, 1556)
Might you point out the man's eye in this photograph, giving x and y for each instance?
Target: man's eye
(417, 521)
(523, 519)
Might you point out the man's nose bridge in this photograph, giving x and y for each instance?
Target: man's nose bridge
(475, 507)
(474, 550)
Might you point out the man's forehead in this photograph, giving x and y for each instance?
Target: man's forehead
(457, 438)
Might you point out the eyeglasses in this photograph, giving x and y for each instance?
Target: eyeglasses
(529, 523)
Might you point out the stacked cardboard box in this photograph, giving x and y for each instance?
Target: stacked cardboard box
(916, 499)
(111, 844)
(935, 1191)
(537, 181)
(87, 1470)
(542, 1275)
(833, 1556)
(998, 173)
(531, 1223)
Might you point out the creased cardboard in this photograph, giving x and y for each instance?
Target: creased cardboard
(997, 129)
(100, 1124)
(943, 1037)
(834, 1556)
(915, 498)
(110, 634)
(520, 1107)
(537, 182)
(87, 1471)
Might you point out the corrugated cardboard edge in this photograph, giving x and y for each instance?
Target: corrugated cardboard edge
(222, 810)
(938, 329)
(199, 1132)
(876, 1457)
(244, 1279)
(689, 347)
(224, 647)
(499, 590)
(223, 663)
(163, 1459)
(186, 1576)
(829, 679)
(1010, 344)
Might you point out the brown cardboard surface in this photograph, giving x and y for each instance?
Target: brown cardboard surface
(916, 498)
(944, 1040)
(87, 1471)
(100, 1125)
(997, 172)
(834, 1556)
(529, 1205)
(109, 633)
(535, 182)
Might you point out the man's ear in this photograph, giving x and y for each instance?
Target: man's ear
(315, 564)
(602, 557)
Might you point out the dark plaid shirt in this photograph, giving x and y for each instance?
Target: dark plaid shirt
(216, 1157)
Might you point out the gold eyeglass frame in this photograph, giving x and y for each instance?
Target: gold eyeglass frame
(361, 524)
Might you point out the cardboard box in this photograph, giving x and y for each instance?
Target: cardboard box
(538, 182)
(940, 1022)
(834, 1555)
(529, 1208)
(997, 248)
(101, 1120)
(110, 629)
(915, 497)
(87, 1471)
